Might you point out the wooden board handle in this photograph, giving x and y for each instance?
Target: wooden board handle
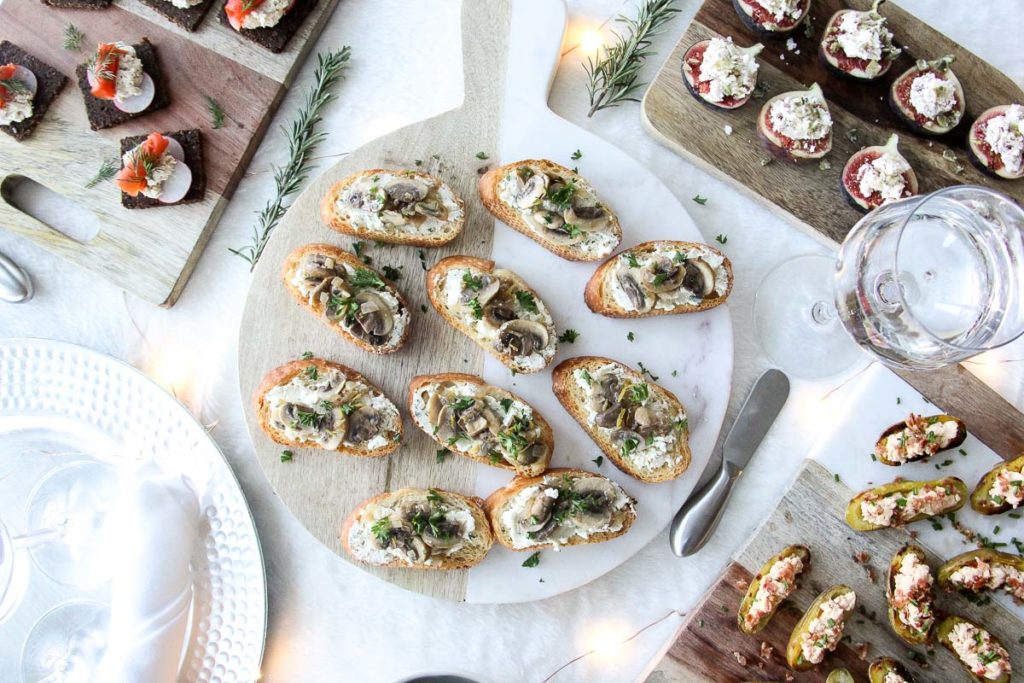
(535, 43)
(484, 38)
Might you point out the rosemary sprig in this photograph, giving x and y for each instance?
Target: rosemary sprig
(612, 76)
(216, 111)
(107, 171)
(73, 37)
(302, 140)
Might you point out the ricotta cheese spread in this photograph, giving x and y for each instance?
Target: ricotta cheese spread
(932, 96)
(929, 500)
(864, 35)
(1008, 488)
(565, 211)
(883, 175)
(912, 588)
(921, 438)
(979, 651)
(825, 630)
(1005, 135)
(18, 107)
(982, 575)
(641, 266)
(729, 71)
(368, 547)
(129, 73)
(367, 204)
(775, 586)
(267, 14)
(801, 116)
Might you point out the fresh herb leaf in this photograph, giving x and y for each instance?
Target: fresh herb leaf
(217, 113)
(469, 281)
(382, 529)
(73, 37)
(645, 371)
(311, 372)
(532, 561)
(107, 170)
(506, 404)
(631, 260)
(577, 155)
(441, 454)
(700, 200)
(392, 273)
(586, 377)
(569, 336)
(286, 456)
(527, 301)
(306, 355)
(721, 239)
(599, 460)
(482, 155)
(364, 277)
(476, 308)
(423, 258)
(631, 337)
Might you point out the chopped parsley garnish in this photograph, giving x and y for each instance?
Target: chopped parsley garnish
(631, 337)
(286, 456)
(471, 282)
(423, 308)
(586, 377)
(562, 196)
(721, 239)
(463, 402)
(532, 561)
(476, 308)
(577, 155)
(364, 277)
(441, 454)
(506, 404)
(423, 258)
(482, 155)
(360, 250)
(631, 260)
(311, 372)
(382, 529)
(628, 446)
(572, 229)
(392, 273)
(306, 355)
(348, 408)
(679, 257)
(434, 497)
(569, 336)
(682, 423)
(527, 301)
(660, 278)
(700, 200)
(599, 460)
(640, 392)
(343, 307)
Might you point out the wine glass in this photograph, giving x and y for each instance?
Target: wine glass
(920, 283)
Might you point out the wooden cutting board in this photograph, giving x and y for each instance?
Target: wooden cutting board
(149, 253)
(861, 116)
(709, 648)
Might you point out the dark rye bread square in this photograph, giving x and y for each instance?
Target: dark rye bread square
(49, 84)
(188, 18)
(78, 4)
(103, 113)
(192, 142)
(275, 38)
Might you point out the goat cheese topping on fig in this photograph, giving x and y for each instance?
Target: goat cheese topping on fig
(562, 508)
(803, 116)
(398, 202)
(1005, 135)
(665, 278)
(864, 35)
(921, 437)
(883, 175)
(729, 71)
(979, 651)
(417, 529)
(775, 586)
(982, 575)
(266, 14)
(932, 95)
(503, 313)
(15, 96)
(912, 586)
(638, 420)
(781, 9)
(893, 677)
(896, 507)
(1008, 488)
(825, 630)
(323, 406)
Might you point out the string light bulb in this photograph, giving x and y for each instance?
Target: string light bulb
(591, 40)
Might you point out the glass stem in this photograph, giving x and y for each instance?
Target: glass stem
(38, 537)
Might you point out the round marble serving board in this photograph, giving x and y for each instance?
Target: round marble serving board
(510, 51)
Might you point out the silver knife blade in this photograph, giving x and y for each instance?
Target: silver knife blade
(758, 412)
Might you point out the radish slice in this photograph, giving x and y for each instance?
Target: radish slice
(177, 185)
(174, 149)
(138, 103)
(27, 77)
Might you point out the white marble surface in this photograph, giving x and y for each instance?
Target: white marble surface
(328, 620)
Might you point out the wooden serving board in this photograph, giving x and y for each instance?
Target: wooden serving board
(150, 252)
(862, 117)
(709, 647)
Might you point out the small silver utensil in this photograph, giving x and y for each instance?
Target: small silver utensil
(699, 516)
(15, 283)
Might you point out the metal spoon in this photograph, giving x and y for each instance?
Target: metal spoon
(15, 283)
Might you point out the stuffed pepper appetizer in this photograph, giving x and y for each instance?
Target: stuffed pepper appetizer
(919, 438)
(903, 502)
(721, 74)
(859, 44)
(797, 125)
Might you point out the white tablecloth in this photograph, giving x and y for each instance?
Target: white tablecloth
(329, 621)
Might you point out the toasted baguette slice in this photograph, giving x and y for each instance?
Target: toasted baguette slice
(505, 504)
(451, 278)
(664, 458)
(345, 389)
(406, 547)
(519, 428)
(686, 266)
(594, 239)
(321, 305)
(369, 204)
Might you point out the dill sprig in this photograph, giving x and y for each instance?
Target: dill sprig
(612, 76)
(216, 111)
(73, 37)
(302, 140)
(107, 171)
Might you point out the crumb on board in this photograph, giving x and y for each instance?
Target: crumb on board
(728, 129)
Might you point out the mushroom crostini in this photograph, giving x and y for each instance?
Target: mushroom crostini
(350, 297)
(418, 529)
(554, 206)
(561, 508)
(495, 308)
(394, 206)
(315, 403)
(660, 278)
(467, 416)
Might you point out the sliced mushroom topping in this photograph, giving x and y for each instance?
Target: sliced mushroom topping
(434, 406)
(445, 427)
(406, 190)
(531, 191)
(499, 310)
(521, 338)
(318, 266)
(371, 202)
(586, 218)
(537, 514)
(393, 218)
(699, 277)
(472, 420)
(430, 207)
(633, 290)
(364, 424)
(535, 452)
(487, 292)
(663, 275)
(592, 502)
(611, 417)
(374, 321)
(403, 538)
(548, 220)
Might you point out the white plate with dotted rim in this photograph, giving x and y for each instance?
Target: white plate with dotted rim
(54, 394)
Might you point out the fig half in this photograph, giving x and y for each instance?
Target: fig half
(764, 22)
(878, 175)
(809, 110)
(1006, 159)
(707, 91)
(862, 66)
(928, 97)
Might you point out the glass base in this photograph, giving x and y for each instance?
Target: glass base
(67, 644)
(796, 319)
